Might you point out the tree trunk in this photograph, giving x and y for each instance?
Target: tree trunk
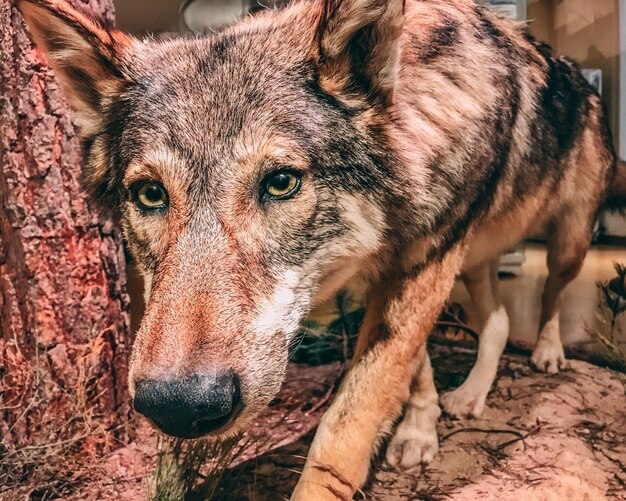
(64, 326)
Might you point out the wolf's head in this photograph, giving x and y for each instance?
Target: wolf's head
(251, 174)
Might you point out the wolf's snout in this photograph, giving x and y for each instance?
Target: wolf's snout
(192, 406)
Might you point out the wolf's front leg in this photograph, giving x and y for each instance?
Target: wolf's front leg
(399, 317)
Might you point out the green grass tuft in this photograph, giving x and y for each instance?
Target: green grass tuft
(611, 308)
(191, 470)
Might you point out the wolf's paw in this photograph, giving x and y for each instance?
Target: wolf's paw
(548, 356)
(415, 441)
(464, 402)
(410, 448)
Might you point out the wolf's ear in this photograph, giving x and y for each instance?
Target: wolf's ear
(85, 55)
(358, 44)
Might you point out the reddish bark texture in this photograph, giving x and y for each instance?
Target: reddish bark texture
(63, 303)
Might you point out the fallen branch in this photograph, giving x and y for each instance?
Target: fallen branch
(481, 430)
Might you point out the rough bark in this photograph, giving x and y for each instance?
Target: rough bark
(63, 304)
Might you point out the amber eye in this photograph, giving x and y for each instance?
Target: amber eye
(149, 195)
(280, 185)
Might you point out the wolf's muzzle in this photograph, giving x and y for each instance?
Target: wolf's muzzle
(192, 406)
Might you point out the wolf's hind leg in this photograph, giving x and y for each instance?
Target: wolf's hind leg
(568, 243)
(482, 285)
(415, 440)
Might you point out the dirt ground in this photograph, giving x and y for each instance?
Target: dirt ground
(541, 438)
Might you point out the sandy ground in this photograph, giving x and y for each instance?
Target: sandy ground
(541, 438)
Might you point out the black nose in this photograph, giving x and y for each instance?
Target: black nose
(192, 406)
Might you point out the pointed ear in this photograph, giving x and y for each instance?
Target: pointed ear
(358, 44)
(85, 55)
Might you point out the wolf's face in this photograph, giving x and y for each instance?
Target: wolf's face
(243, 167)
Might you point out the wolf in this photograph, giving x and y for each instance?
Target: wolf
(258, 170)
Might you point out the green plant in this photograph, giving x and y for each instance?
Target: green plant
(611, 307)
(322, 342)
(189, 470)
